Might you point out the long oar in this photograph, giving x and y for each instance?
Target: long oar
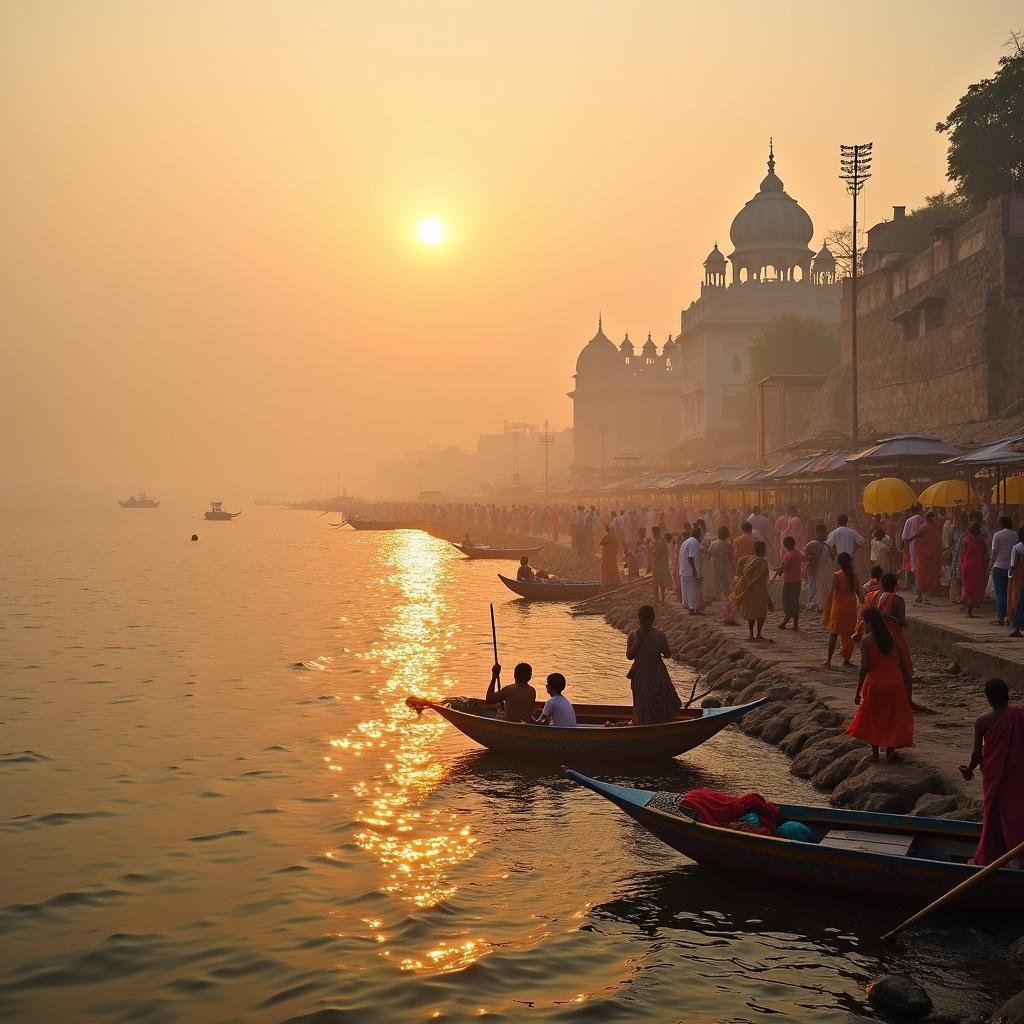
(1017, 851)
(618, 591)
(494, 636)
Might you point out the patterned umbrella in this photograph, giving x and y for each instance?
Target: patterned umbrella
(889, 494)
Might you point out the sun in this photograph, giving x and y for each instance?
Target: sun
(431, 231)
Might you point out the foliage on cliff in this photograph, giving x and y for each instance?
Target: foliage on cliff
(794, 344)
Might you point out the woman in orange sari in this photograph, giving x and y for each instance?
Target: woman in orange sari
(885, 692)
(928, 548)
(894, 608)
(872, 591)
(842, 610)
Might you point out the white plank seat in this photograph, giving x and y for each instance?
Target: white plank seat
(868, 842)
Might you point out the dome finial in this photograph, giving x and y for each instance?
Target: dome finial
(600, 325)
(771, 155)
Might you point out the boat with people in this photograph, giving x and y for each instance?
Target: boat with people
(552, 590)
(887, 855)
(218, 513)
(140, 500)
(358, 523)
(486, 551)
(594, 738)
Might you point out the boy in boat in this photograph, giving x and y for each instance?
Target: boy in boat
(557, 709)
(525, 573)
(515, 702)
(999, 749)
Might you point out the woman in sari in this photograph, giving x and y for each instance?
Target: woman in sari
(609, 559)
(894, 609)
(750, 591)
(819, 569)
(956, 540)
(884, 697)
(928, 549)
(709, 581)
(654, 697)
(842, 610)
(973, 568)
(720, 552)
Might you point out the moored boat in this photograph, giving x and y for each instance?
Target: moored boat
(592, 740)
(381, 524)
(486, 551)
(885, 855)
(219, 513)
(542, 590)
(140, 500)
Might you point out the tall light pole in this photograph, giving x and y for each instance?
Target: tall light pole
(854, 169)
(547, 439)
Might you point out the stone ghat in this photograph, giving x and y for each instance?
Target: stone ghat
(797, 720)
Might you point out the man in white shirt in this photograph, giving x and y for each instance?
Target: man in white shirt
(760, 524)
(690, 571)
(1003, 542)
(557, 709)
(911, 528)
(843, 537)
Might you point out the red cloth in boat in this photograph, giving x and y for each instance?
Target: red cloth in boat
(1002, 769)
(884, 717)
(714, 808)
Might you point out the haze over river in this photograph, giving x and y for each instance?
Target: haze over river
(216, 806)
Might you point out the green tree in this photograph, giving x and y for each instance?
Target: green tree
(794, 344)
(986, 134)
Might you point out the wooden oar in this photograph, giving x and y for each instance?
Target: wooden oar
(494, 636)
(1017, 851)
(626, 588)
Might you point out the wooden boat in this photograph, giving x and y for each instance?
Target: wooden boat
(887, 855)
(219, 513)
(591, 739)
(140, 500)
(538, 590)
(485, 551)
(381, 524)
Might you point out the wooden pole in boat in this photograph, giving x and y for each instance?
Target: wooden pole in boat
(494, 635)
(988, 869)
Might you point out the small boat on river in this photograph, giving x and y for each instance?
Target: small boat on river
(885, 855)
(545, 590)
(140, 500)
(485, 551)
(381, 524)
(592, 740)
(218, 513)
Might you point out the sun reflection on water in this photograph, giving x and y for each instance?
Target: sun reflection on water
(417, 849)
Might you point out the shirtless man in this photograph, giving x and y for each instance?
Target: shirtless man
(515, 702)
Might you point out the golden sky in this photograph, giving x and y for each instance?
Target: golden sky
(210, 275)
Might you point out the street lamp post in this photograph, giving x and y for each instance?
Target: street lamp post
(547, 439)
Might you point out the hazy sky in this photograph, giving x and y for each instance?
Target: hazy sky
(209, 273)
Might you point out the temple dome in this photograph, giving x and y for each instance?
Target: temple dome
(626, 346)
(824, 260)
(771, 221)
(650, 349)
(599, 356)
(715, 260)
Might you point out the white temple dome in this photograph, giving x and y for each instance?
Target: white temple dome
(772, 220)
(716, 259)
(824, 260)
(599, 355)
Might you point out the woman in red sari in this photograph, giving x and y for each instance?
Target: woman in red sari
(885, 695)
(973, 568)
(928, 546)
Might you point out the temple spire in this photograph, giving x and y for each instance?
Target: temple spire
(600, 324)
(771, 157)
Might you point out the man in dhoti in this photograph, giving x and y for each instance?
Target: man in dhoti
(911, 528)
(999, 749)
(820, 567)
(690, 576)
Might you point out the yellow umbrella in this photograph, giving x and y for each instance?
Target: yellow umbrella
(947, 493)
(1009, 492)
(889, 494)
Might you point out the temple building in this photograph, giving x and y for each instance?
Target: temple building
(698, 388)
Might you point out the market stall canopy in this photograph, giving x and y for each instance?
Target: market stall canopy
(947, 493)
(906, 448)
(1007, 452)
(887, 495)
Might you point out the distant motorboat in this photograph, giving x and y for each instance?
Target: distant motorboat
(218, 512)
(140, 500)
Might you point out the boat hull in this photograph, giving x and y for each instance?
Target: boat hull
(139, 504)
(506, 553)
(892, 877)
(383, 524)
(221, 517)
(534, 591)
(591, 741)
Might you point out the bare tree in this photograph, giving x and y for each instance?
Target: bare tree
(840, 242)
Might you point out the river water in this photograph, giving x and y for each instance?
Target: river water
(216, 806)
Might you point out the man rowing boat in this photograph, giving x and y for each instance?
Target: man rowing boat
(515, 703)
